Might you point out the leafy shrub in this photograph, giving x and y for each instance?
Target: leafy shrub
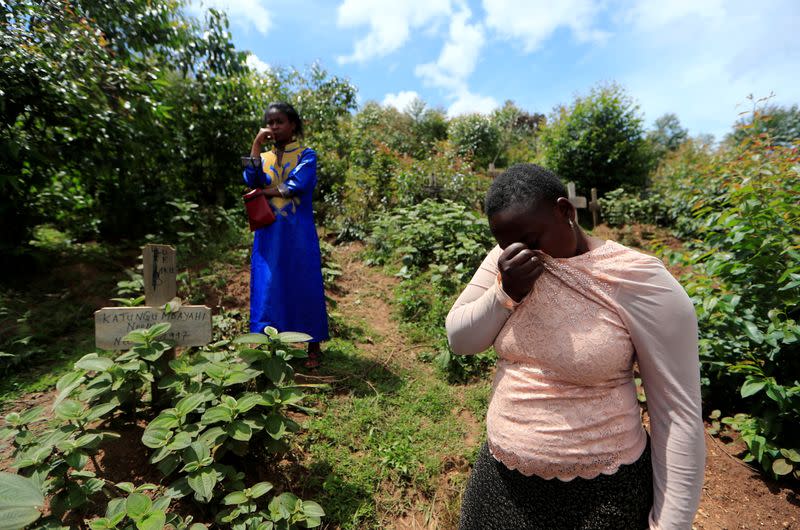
(437, 247)
(475, 136)
(598, 141)
(745, 284)
(214, 414)
(620, 208)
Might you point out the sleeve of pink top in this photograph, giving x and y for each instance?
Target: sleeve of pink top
(480, 312)
(663, 327)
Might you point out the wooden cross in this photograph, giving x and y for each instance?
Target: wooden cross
(190, 324)
(594, 207)
(577, 202)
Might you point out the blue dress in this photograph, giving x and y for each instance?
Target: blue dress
(286, 289)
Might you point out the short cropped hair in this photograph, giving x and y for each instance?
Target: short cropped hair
(523, 185)
(291, 113)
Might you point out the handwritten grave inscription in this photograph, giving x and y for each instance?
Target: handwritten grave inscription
(190, 325)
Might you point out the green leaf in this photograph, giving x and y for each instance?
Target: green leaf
(181, 440)
(782, 467)
(259, 489)
(167, 419)
(237, 497)
(138, 505)
(95, 413)
(20, 501)
(190, 403)
(115, 509)
(252, 338)
(31, 415)
(213, 436)
(288, 337)
(127, 487)
(67, 384)
(277, 370)
(155, 438)
(69, 410)
(152, 521)
(239, 430)
(94, 363)
(137, 336)
(216, 415)
(751, 387)
(196, 452)
(248, 401)
(178, 489)
(752, 331)
(290, 396)
(791, 454)
(158, 330)
(276, 427)
(203, 482)
(311, 508)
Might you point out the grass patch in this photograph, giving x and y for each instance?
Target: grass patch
(383, 438)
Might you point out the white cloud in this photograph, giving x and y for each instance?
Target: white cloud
(390, 24)
(257, 64)
(401, 100)
(246, 14)
(534, 21)
(466, 103)
(456, 62)
(458, 57)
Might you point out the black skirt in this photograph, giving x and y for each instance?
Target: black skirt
(498, 498)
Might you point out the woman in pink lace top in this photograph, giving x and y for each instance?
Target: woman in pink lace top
(568, 315)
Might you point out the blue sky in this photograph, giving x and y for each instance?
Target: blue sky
(697, 58)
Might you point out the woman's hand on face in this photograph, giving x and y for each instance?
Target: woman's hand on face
(519, 268)
(264, 136)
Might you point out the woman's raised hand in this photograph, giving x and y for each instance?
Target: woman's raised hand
(264, 136)
(519, 268)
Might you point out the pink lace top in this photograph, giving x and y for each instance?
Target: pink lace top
(564, 400)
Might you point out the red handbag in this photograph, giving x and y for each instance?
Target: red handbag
(259, 212)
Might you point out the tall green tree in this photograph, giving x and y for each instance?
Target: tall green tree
(667, 135)
(476, 136)
(88, 94)
(598, 141)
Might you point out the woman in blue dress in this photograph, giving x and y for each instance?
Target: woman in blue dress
(286, 289)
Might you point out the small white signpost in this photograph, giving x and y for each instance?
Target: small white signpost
(190, 324)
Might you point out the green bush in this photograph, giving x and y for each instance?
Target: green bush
(598, 142)
(620, 208)
(744, 254)
(475, 136)
(437, 247)
(212, 415)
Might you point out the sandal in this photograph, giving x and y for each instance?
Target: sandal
(313, 361)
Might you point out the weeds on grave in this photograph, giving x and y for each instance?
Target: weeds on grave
(215, 413)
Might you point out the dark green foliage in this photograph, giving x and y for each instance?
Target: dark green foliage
(598, 142)
(743, 237)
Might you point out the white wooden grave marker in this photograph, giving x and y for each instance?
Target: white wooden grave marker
(160, 274)
(190, 324)
(577, 202)
(594, 207)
